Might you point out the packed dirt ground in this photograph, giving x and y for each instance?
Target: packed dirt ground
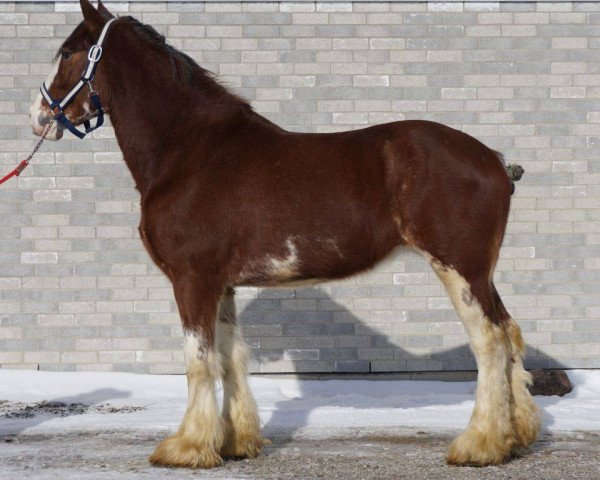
(406, 454)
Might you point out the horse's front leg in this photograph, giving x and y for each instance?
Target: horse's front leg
(242, 424)
(198, 441)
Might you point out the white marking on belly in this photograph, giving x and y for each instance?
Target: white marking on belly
(284, 267)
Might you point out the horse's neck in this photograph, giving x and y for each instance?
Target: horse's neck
(151, 121)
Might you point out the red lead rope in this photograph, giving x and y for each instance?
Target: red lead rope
(16, 172)
(24, 163)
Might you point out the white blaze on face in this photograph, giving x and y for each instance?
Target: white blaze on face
(36, 108)
(87, 109)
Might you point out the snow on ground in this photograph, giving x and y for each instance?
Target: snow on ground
(303, 407)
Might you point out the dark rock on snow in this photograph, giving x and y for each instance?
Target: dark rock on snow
(550, 382)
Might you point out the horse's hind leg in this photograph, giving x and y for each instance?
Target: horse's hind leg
(242, 425)
(525, 414)
(489, 437)
(200, 436)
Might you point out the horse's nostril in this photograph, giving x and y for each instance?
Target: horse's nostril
(43, 120)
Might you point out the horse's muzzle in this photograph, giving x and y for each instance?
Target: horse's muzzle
(39, 125)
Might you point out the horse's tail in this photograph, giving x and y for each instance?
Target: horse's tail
(514, 171)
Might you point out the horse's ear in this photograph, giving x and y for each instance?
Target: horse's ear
(103, 10)
(92, 17)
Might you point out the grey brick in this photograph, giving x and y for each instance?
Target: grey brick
(351, 367)
(261, 31)
(301, 354)
(338, 354)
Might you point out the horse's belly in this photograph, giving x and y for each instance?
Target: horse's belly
(308, 262)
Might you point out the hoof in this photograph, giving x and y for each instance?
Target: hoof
(474, 448)
(182, 451)
(248, 446)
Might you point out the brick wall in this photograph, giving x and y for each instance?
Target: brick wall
(78, 292)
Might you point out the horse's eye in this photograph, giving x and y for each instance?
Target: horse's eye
(65, 55)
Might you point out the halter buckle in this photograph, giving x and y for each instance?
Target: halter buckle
(95, 53)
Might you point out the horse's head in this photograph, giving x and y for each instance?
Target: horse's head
(69, 64)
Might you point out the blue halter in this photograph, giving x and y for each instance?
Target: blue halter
(94, 55)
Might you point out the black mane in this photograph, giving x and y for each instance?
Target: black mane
(184, 67)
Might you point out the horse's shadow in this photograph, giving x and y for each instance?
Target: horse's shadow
(290, 416)
(15, 418)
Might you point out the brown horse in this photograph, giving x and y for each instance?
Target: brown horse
(228, 198)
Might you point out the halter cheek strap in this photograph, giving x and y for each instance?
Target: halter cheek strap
(58, 105)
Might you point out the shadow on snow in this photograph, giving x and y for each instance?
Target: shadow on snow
(323, 327)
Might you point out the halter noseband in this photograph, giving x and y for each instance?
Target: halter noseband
(94, 55)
